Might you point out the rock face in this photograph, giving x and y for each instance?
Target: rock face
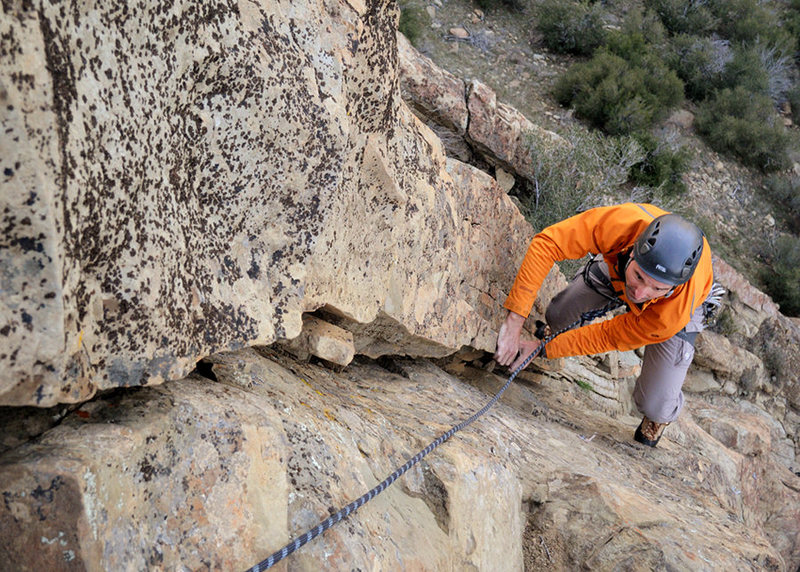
(203, 474)
(170, 195)
(242, 182)
(467, 117)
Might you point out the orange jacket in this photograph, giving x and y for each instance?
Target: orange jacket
(609, 231)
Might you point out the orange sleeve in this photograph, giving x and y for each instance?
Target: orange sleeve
(598, 230)
(607, 230)
(624, 332)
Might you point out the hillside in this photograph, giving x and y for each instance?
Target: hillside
(503, 48)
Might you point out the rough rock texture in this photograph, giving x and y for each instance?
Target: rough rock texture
(501, 132)
(430, 91)
(467, 117)
(183, 180)
(219, 475)
(189, 179)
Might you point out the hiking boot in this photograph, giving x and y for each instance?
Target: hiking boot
(649, 432)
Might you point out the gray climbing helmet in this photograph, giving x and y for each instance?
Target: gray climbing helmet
(669, 249)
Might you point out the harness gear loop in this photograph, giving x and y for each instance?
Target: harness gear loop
(355, 505)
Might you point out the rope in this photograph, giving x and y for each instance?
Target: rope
(355, 505)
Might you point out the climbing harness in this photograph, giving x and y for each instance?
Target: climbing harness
(712, 304)
(355, 505)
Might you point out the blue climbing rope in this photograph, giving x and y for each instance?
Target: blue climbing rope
(355, 505)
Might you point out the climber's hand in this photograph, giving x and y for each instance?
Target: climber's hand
(508, 339)
(526, 348)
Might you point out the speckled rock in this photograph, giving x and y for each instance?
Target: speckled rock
(181, 180)
(165, 476)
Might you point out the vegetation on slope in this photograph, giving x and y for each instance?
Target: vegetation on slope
(628, 64)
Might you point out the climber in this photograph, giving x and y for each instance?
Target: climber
(655, 263)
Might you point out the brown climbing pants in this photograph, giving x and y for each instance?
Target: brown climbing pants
(657, 393)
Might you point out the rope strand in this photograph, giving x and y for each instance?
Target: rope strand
(355, 505)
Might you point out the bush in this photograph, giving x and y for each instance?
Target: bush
(759, 68)
(793, 97)
(778, 67)
(751, 21)
(746, 70)
(684, 16)
(646, 24)
(744, 124)
(791, 23)
(619, 97)
(413, 20)
(631, 46)
(699, 62)
(663, 165)
(784, 192)
(782, 280)
(499, 4)
(571, 27)
(575, 176)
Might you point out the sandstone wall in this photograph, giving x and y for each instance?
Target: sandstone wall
(186, 178)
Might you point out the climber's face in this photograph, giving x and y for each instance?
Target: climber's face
(639, 287)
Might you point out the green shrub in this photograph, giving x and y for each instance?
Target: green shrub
(413, 20)
(759, 68)
(630, 46)
(684, 16)
(645, 23)
(746, 70)
(793, 97)
(782, 280)
(572, 177)
(791, 23)
(571, 27)
(784, 192)
(663, 165)
(751, 21)
(699, 62)
(617, 96)
(499, 4)
(744, 124)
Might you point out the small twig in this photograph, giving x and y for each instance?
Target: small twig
(547, 550)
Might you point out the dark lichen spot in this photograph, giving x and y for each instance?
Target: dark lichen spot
(147, 470)
(47, 494)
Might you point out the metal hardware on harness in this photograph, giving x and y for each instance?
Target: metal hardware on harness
(355, 505)
(712, 304)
